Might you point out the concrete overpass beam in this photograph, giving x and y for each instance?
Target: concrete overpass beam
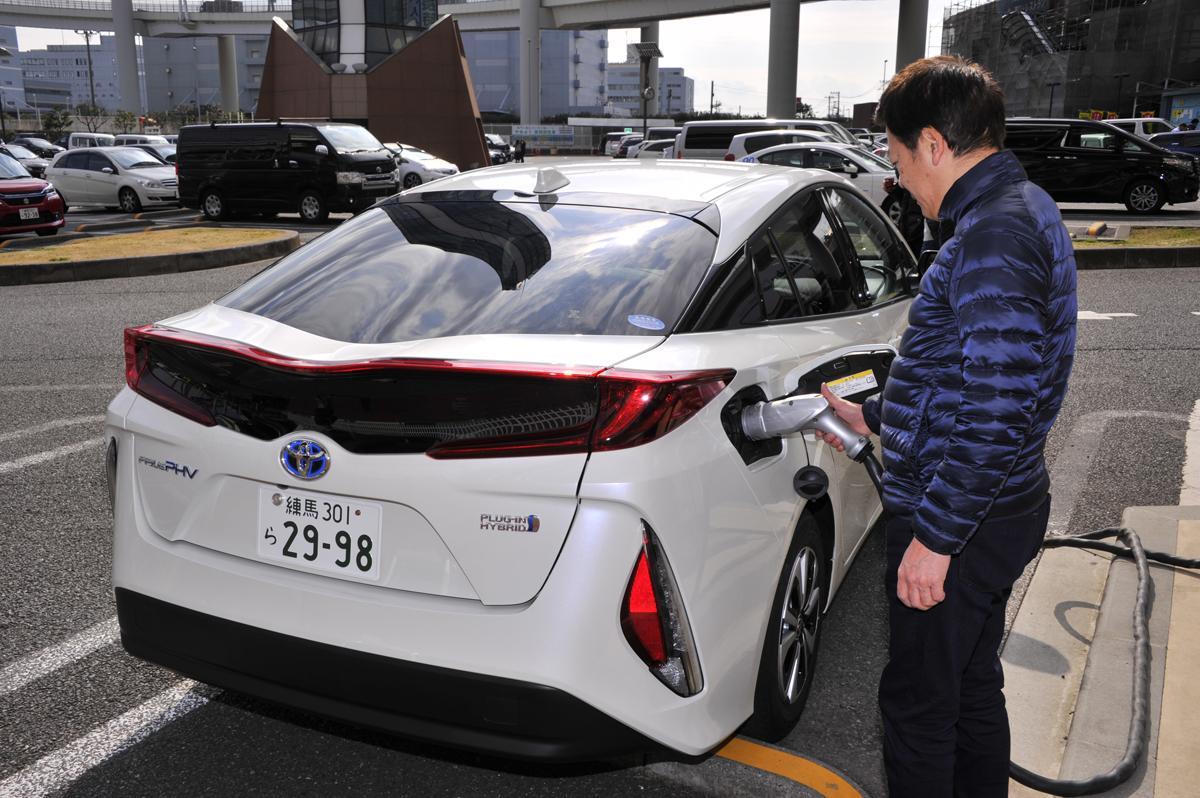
(530, 42)
(650, 34)
(910, 32)
(783, 54)
(127, 63)
(227, 69)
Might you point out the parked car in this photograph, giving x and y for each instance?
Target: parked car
(744, 144)
(27, 203)
(78, 140)
(710, 139)
(127, 139)
(1188, 142)
(612, 141)
(33, 163)
(625, 143)
(39, 146)
(163, 152)
(416, 166)
(1144, 127)
(1077, 160)
(311, 168)
(481, 451)
(172, 138)
(499, 150)
(655, 149)
(868, 171)
(120, 177)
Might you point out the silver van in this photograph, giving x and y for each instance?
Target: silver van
(710, 139)
(77, 140)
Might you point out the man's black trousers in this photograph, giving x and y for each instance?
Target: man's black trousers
(945, 728)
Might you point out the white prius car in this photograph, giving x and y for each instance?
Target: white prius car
(870, 172)
(469, 468)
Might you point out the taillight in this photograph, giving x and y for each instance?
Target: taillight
(655, 623)
(638, 407)
(140, 376)
(729, 156)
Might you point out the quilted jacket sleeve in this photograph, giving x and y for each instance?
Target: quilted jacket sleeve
(871, 412)
(999, 293)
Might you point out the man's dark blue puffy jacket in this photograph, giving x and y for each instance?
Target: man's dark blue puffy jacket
(983, 367)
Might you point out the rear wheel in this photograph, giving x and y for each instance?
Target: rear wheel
(128, 200)
(213, 206)
(789, 654)
(412, 179)
(313, 208)
(1144, 196)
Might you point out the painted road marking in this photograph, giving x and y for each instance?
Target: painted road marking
(1088, 315)
(791, 766)
(34, 666)
(43, 457)
(60, 768)
(49, 425)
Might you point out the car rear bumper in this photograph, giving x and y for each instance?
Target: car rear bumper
(456, 708)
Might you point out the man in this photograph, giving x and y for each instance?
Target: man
(980, 376)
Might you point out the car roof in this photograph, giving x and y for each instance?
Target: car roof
(743, 195)
(840, 146)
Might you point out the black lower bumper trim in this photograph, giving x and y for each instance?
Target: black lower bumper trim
(455, 708)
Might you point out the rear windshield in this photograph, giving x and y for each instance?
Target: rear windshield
(432, 269)
(716, 137)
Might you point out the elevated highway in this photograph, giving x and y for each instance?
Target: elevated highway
(225, 18)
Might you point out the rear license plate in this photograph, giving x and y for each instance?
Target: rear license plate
(318, 532)
(28, 214)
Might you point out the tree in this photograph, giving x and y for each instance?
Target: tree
(124, 121)
(804, 111)
(56, 122)
(92, 116)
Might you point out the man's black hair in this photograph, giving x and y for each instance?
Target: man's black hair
(958, 98)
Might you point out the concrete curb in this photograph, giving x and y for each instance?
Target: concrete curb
(26, 274)
(1137, 257)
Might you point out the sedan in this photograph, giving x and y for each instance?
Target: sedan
(34, 163)
(28, 204)
(123, 177)
(40, 146)
(480, 447)
(868, 171)
(416, 166)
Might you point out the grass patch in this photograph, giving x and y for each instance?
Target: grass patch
(1148, 237)
(137, 245)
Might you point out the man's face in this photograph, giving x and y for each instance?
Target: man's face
(914, 172)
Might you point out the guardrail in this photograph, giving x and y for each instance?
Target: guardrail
(166, 6)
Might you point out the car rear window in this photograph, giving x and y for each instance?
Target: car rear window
(411, 270)
(716, 137)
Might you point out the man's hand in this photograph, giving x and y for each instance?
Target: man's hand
(849, 412)
(922, 577)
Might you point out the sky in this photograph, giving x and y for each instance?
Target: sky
(843, 46)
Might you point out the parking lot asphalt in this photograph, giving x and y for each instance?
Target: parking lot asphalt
(105, 724)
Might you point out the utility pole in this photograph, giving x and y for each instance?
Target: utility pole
(712, 95)
(1050, 108)
(87, 39)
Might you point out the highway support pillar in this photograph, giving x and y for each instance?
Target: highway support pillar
(227, 69)
(783, 54)
(530, 42)
(910, 32)
(650, 34)
(127, 61)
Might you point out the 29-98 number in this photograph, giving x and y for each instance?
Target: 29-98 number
(359, 551)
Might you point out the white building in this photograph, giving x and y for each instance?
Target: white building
(68, 64)
(12, 86)
(573, 66)
(675, 90)
(183, 72)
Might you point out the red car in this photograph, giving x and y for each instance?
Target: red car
(27, 203)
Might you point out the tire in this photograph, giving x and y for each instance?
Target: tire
(412, 179)
(213, 205)
(50, 231)
(789, 654)
(312, 207)
(1145, 196)
(892, 208)
(128, 200)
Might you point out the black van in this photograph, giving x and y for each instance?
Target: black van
(1078, 160)
(268, 167)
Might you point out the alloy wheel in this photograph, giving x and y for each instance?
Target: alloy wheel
(1144, 197)
(800, 616)
(412, 179)
(310, 207)
(128, 201)
(212, 206)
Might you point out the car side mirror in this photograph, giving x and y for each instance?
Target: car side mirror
(912, 280)
(108, 170)
(321, 149)
(851, 168)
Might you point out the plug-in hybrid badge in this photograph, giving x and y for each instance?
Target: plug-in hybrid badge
(304, 458)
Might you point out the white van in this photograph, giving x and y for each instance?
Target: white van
(710, 139)
(126, 139)
(1144, 127)
(744, 144)
(77, 140)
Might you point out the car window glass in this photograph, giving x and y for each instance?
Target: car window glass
(97, 161)
(10, 167)
(880, 255)
(1028, 138)
(1126, 126)
(1155, 127)
(772, 157)
(1089, 139)
(829, 161)
(756, 143)
(74, 160)
(815, 256)
(735, 302)
(779, 294)
(303, 143)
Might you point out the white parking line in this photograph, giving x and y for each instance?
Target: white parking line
(49, 425)
(1089, 315)
(57, 770)
(42, 457)
(34, 666)
(70, 386)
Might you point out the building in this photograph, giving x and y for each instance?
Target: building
(676, 91)
(65, 67)
(12, 85)
(573, 66)
(330, 28)
(1079, 57)
(181, 73)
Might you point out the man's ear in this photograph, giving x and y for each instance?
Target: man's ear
(933, 146)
